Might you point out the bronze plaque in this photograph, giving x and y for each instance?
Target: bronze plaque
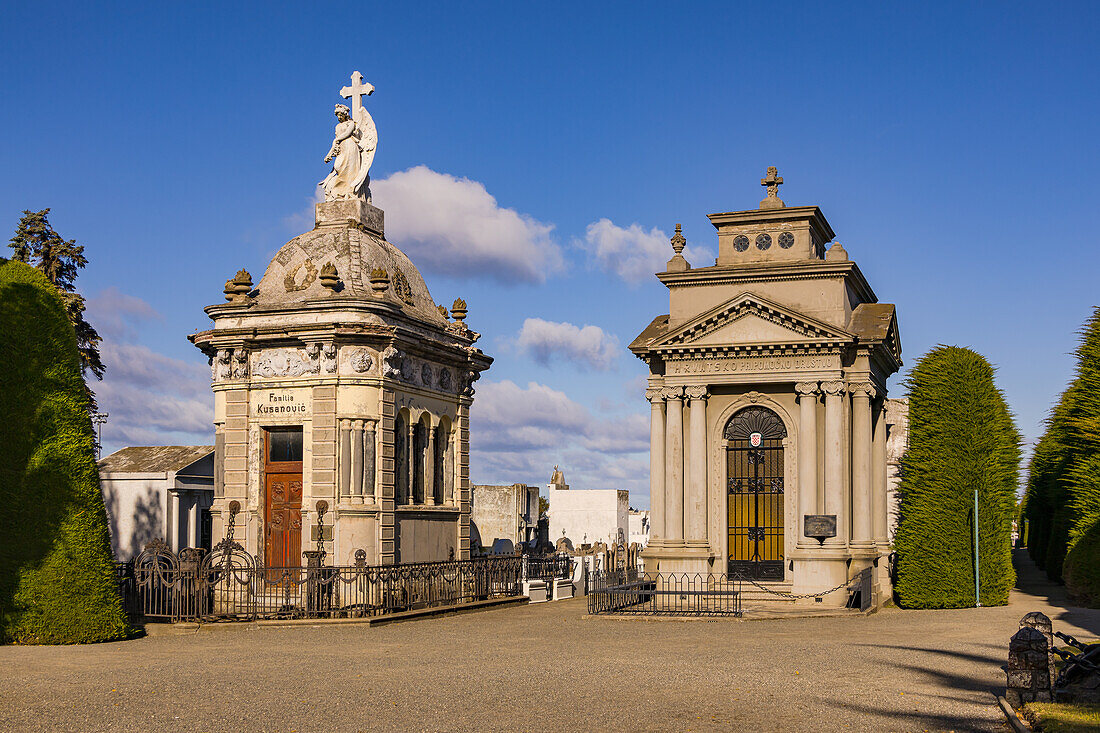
(819, 526)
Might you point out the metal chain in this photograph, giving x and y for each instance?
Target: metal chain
(793, 595)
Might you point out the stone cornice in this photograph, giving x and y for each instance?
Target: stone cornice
(772, 272)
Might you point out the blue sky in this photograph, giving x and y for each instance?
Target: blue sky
(547, 152)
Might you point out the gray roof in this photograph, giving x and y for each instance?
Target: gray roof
(153, 458)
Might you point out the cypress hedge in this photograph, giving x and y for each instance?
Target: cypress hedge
(1062, 504)
(57, 582)
(961, 438)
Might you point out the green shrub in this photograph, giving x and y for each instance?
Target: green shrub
(57, 581)
(1082, 566)
(961, 438)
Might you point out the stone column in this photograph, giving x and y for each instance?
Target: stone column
(193, 520)
(656, 464)
(368, 460)
(674, 464)
(345, 457)
(449, 469)
(834, 459)
(807, 454)
(429, 467)
(879, 509)
(862, 510)
(357, 461)
(695, 508)
(174, 522)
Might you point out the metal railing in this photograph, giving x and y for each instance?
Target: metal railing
(227, 584)
(664, 594)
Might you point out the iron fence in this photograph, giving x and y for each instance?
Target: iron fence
(664, 594)
(548, 567)
(228, 584)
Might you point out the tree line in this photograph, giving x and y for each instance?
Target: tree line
(1060, 511)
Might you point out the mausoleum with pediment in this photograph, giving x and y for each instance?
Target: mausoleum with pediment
(342, 390)
(767, 390)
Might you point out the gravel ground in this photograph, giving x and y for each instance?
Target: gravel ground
(544, 666)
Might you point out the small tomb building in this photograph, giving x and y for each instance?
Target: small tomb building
(342, 390)
(767, 389)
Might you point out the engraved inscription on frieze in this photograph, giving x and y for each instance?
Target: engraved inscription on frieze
(751, 364)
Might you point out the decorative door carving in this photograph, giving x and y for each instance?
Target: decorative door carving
(283, 530)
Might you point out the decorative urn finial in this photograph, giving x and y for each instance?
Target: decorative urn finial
(379, 282)
(678, 240)
(458, 310)
(678, 263)
(329, 277)
(237, 289)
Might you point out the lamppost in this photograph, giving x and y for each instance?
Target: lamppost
(98, 418)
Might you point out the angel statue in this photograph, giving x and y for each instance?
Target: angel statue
(352, 147)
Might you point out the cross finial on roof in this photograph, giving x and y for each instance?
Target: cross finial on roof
(772, 183)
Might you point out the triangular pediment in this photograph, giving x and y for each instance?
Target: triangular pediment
(750, 319)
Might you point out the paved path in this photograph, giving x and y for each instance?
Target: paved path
(541, 667)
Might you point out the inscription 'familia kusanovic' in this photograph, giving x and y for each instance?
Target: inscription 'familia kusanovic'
(280, 403)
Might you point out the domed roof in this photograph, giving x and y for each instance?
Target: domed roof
(292, 278)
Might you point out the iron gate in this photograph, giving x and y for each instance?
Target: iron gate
(754, 461)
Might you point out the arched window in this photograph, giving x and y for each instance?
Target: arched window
(420, 456)
(439, 463)
(401, 459)
(755, 420)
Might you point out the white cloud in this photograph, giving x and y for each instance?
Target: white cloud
(548, 341)
(520, 433)
(453, 226)
(151, 398)
(633, 253)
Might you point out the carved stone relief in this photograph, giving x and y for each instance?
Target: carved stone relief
(284, 363)
(445, 379)
(392, 363)
(360, 361)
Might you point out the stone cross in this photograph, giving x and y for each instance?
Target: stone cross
(772, 182)
(358, 89)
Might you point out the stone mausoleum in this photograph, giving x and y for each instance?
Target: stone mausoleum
(342, 391)
(767, 388)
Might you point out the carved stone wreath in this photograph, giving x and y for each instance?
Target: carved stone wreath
(445, 379)
(426, 375)
(361, 361)
(290, 281)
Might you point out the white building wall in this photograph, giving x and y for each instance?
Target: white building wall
(589, 515)
(137, 510)
(639, 527)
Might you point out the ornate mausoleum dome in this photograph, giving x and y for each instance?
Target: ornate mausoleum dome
(367, 267)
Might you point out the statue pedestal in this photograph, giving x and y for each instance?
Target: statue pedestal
(352, 211)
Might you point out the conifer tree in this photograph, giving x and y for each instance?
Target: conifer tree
(961, 438)
(60, 260)
(57, 576)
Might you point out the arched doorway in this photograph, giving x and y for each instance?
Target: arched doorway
(754, 470)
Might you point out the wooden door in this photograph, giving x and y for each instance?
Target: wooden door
(282, 497)
(283, 541)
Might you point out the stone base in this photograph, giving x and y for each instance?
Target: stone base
(355, 212)
(678, 556)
